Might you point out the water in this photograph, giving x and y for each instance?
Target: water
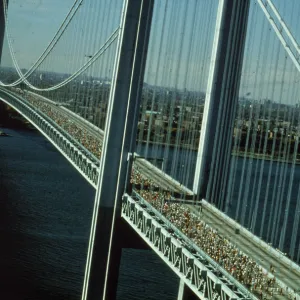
(271, 197)
(277, 191)
(45, 216)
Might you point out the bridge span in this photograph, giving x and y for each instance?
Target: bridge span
(214, 257)
(176, 249)
(205, 282)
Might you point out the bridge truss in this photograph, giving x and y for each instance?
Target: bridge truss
(205, 278)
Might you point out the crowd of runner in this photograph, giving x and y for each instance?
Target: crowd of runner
(239, 265)
(82, 136)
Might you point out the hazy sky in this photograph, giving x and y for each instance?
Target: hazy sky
(179, 50)
(33, 23)
(180, 44)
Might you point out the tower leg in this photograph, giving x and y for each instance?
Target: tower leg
(2, 27)
(106, 238)
(185, 293)
(214, 150)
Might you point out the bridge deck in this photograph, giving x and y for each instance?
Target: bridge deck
(289, 276)
(165, 181)
(284, 274)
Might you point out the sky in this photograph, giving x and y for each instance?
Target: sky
(33, 23)
(180, 46)
(268, 72)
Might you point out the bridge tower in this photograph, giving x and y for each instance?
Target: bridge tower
(2, 27)
(107, 232)
(212, 167)
(2, 32)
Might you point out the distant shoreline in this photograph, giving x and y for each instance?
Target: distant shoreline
(264, 157)
(186, 147)
(19, 122)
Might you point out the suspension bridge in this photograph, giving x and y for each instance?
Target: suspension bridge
(210, 89)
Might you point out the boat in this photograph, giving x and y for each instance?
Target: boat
(3, 133)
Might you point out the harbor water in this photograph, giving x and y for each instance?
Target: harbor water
(45, 216)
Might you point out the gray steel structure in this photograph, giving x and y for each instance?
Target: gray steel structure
(221, 98)
(198, 271)
(2, 27)
(88, 165)
(195, 269)
(105, 240)
(118, 147)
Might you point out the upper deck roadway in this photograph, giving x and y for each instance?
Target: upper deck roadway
(287, 273)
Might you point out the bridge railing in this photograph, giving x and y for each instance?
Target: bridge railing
(197, 270)
(78, 156)
(181, 240)
(188, 244)
(89, 154)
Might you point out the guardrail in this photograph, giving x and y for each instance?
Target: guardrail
(189, 263)
(262, 244)
(193, 248)
(88, 165)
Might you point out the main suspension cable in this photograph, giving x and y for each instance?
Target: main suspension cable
(49, 47)
(102, 49)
